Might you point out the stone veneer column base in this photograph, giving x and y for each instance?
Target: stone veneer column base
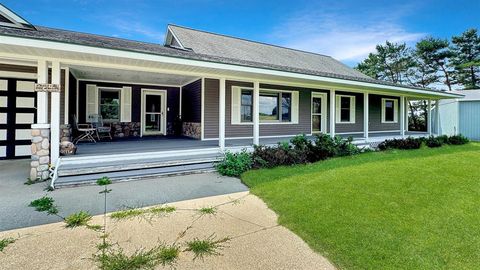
(192, 129)
(39, 169)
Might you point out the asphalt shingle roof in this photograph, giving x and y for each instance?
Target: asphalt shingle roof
(212, 48)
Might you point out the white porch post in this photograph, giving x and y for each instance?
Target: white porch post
(55, 115)
(429, 117)
(402, 116)
(332, 113)
(256, 113)
(42, 97)
(221, 108)
(437, 117)
(365, 116)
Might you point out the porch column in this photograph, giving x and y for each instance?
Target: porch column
(256, 113)
(437, 117)
(55, 115)
(221, 118)
(42, 96)
(402, 116)
(365, 116)
(332, 113)
(429, 117)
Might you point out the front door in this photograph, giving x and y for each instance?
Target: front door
(153, 112)
(319, 115)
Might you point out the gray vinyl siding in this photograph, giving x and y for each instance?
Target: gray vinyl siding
(232, 131)
(192, 102)
(358, 125)
(375, 114)
(211, 113)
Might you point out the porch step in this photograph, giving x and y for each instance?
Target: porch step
(124, 168)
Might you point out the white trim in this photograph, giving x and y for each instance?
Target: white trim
(395, 111)
(202, 111)
(77, 102)
(66, 96)
(332, 113)
(18, 75)
(323, 113)
(55, 115)
(180, 93)
(42, 97)
(44, 44)
(163, 113)
(261, 137)
(353, 107)
(12, 16)
(429, 116)
(366, 112)
(402, 116)
(175, 37)
(221, 117)
(40, 126)
(256, 113)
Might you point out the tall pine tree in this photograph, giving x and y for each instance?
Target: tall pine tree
(466, 59)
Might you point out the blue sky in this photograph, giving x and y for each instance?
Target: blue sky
(346, 30)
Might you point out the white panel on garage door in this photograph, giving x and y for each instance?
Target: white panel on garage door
(23, 150)
(25, 86)
(3, 151)
(22, 134)
(3, 134)
(3, 118)
(3, 85)
(3, 101)
(25, 102)
(24, 118)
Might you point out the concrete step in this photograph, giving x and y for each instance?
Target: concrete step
(137, 174)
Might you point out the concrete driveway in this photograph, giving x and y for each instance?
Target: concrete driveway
(15, 196)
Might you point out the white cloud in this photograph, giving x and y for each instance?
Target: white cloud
(128, 28)
(348, 38)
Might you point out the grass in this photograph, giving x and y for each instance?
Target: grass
(207, 210)
(207, 247)
(45, 204)
(138, 212)
(78, 219)
(413, 209)
(5, 242)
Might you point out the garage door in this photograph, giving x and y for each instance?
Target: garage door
(17, 113)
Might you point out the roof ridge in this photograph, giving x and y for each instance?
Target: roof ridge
(252, 41)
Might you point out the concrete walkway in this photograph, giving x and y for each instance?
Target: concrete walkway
(15, 196)
(256, 241)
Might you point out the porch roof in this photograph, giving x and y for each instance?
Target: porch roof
(88, 48)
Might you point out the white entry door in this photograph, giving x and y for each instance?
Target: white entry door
(154, 112)
(319, 112)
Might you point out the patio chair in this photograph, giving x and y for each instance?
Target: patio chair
(101, 130)
(85, 131)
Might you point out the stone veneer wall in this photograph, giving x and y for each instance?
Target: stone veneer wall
(39, 165)
(192, 129)
(125, 129)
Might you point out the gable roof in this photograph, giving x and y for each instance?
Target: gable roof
(245, 50)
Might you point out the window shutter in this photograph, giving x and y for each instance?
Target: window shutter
(337, 108)
(295, 107)
(352, 109)
(126, 105)
(236, 93)
(92, 100)
(395, 110)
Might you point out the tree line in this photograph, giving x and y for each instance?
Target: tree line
(432, 63)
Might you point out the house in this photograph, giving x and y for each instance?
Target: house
(223, 92)
(460, 116)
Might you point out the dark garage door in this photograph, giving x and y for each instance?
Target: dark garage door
(17, 112)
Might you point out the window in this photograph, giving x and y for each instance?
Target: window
(246, 106)
(274, 106)
(345, 112)
(389, 110)
(109, 104)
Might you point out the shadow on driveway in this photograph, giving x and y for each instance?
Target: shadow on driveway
(15, 196)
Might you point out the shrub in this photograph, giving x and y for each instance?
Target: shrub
(77, 219)
(443, 139)
(345, 147)
(234, 164)
(404, 144)
(434, 142)
(272, 156)
(457, 140)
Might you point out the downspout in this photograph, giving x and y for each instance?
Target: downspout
(54, 173)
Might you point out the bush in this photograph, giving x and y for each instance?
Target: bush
(434, 141)
(404, 144)
(280, 155)
(457, 140)
(234, 164)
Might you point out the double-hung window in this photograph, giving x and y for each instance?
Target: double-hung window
(109, 105)
(345, 111)
(246, 106)
(389, 110)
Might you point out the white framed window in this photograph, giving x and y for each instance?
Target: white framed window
(109, 104)
(345, 109)
(389, 110)
(275, 106)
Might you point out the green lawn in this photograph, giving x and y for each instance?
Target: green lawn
(414, 209)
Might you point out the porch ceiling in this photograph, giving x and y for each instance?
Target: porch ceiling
(130, 76)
